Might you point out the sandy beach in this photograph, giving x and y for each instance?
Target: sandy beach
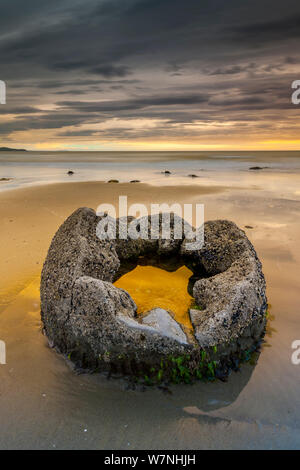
(164, 343)
(257, 408)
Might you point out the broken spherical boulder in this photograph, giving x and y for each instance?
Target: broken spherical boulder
(94, 323)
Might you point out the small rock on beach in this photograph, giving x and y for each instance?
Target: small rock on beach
(256, 168)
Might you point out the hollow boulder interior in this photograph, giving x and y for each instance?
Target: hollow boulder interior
(159, 282)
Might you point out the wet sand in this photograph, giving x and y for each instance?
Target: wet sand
(45, 405)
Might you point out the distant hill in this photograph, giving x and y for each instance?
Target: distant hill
(7, 149)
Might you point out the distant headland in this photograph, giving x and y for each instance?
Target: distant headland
(7, 149)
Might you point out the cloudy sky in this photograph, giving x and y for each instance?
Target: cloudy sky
(150, 74)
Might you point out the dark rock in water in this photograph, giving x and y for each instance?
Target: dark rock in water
(193, 176)
(70, 172)
(113, 181)
(96, 325)
(166, 172)
(135, 181)
(258, 167)
(8, 149)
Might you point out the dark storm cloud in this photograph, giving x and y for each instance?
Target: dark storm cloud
(19, 110)
(231, 69)
(153, 59)
(111, 71)
(71, 92)
(83, 133)
(51, 120)
(96, 107)
(70, 65)
(84, 83)
(98, 37)
(117, 131)
(280, 29)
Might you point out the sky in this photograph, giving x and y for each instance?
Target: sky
(150, 74)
